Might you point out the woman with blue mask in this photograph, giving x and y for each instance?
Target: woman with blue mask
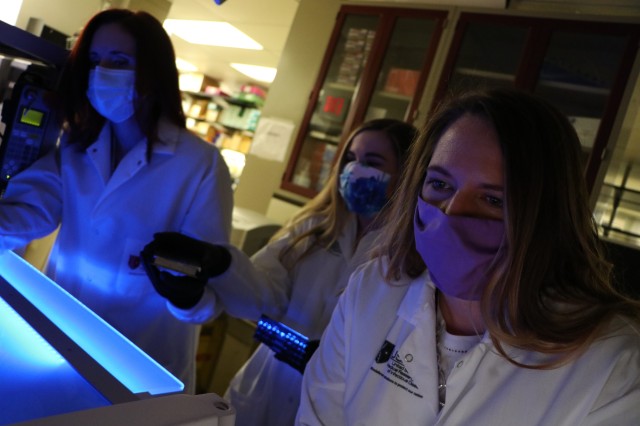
(126, 168)
(305, 267)
(491, 301)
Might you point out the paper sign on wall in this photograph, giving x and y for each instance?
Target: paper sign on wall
(271, 138)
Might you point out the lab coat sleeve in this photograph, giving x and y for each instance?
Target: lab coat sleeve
(243, 291)
(209, 216)
(322, 399)
(32, 204)
(208, 219)
(258, 285)
(254, 286)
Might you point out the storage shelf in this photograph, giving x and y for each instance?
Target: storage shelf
(561, 85)
(206, 96)
(485, 74)
(334, 140)
(340, 86)
(591, 90)
(203, 120)
(394, 96)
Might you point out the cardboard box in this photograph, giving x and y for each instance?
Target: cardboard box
(402, 81)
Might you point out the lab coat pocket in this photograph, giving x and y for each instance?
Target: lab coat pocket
(132, 281)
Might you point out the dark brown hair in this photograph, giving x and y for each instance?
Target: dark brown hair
(157, 88)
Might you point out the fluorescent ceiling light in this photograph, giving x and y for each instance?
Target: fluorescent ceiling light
(185, 66)
(210, 33)
(9, 11)
(265, 74)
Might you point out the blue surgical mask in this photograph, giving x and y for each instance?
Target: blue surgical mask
(363, 188)
(111, 92)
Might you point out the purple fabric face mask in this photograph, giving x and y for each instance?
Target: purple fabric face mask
(457, 250)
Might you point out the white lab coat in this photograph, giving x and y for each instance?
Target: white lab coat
(344, 385)
(266, 391)
(105, 221)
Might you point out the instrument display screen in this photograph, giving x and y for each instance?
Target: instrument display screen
(32, 117)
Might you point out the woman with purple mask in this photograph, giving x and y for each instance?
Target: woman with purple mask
(491, 301)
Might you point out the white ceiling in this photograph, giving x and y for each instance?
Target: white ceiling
(266, 21)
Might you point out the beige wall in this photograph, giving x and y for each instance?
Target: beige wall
(288, 96)
(303, 55)
(63, 15)
(68, 16)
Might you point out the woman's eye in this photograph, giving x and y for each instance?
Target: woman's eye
(120, 62)
(375, 164)
(437, 184)
(494, 201)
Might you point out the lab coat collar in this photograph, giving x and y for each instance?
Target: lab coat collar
(134, 161)
(100, 151)
(100, 155)
(355, 255)
(419, 299)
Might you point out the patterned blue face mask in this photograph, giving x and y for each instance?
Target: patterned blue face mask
(363, 188)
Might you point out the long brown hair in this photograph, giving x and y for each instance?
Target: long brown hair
(156, 77)
(328, 207)
(553, 291)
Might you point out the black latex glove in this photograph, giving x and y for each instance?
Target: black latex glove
(206, 260)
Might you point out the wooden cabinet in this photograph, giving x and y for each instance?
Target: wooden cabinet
(579, 66)
(376, 65)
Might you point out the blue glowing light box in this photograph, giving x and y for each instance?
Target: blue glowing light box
(57, 356)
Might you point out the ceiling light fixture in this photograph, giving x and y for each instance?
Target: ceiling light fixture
(210, 33)
(219, 2)
(259, 73)
(185, 66)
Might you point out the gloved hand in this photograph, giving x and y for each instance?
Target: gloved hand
(288, 345)
(204, 260)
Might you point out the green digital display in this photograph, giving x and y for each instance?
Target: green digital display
(32, 117)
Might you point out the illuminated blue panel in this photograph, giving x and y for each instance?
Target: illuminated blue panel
(35, 380)
(126, 362)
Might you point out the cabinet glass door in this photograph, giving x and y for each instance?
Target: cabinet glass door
(334, 101)
(489, 56)
(617, 210)
(577, 75)
(401, 69)
(375, 66)
(581, 67)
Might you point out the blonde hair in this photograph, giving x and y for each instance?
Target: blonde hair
(327, 210)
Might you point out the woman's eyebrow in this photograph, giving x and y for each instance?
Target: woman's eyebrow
(374, 155)
(438, 169)
(441, 170)
(493, 187)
